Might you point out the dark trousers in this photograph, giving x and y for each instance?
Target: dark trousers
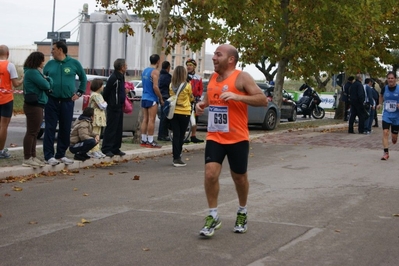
(112, 137)
(347, 106)
(60, 112)
(179, 124)
(375, 118)
(83, 147)
(357, 110)
(369, 121)
(163, 126)
(34, 118)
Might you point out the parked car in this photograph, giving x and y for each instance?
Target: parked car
(266, 117)
(288, 106)
(138, 87)
(129, 120)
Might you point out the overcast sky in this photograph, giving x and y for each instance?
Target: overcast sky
(24, 22)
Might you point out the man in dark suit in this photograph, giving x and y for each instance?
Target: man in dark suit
(345, 96)
(357, 98)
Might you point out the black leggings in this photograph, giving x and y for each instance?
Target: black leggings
(179, 124)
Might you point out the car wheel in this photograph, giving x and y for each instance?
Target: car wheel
(293, 116)
(270, 120)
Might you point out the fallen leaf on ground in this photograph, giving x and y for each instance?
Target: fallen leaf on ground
(338, 230)
(85, 194)
(17, 188)
(146, 249)
(136, 177)
(84, 221)
(80, 225)
(32, 222)
(75, 189)
(396, 215)
(13, 145)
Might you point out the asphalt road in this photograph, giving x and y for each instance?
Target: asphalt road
(316, 198)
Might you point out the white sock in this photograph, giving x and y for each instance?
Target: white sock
(150, 139)
(242, 209)
(213, 212)
(144, 137)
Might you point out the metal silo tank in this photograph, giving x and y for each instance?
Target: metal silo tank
(98, 16)
(86, 45)
(134, 49)
(101, 48)
(117, 45)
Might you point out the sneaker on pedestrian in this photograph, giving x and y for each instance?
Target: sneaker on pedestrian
(95, 155)
(153, 145)
(194, 139)
(385, 156)
(241, 223)
(178, 163)
(65, 160)
(102, 154)
(81, 157)
(120, 153)
(4, 154)
(211, 224)
(144, 143)
(30, 163)
(52, 161)
(39, 161)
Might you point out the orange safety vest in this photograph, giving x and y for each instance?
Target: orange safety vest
(6, 94)
(227, 121)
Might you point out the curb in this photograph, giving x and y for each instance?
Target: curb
(13, 171)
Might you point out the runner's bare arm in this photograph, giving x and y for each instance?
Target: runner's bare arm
(254, 97)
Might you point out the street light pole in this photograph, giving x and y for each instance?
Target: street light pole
(52, 30)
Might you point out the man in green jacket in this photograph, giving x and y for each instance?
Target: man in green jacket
(59, 108)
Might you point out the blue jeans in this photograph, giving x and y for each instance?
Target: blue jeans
(83, 147)
(61, 112)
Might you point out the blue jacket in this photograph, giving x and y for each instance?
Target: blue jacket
(163, 83)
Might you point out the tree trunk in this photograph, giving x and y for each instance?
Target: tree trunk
(159, 35)
(278, 88)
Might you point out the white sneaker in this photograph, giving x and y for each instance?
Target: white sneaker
(52, 161)
(31, 163)
(96, 155)
(38, 161)
(102, 154)
(65, 160)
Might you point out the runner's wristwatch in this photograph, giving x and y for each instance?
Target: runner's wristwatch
(78, 93)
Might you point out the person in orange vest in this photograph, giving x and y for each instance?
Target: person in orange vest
(228, 133)
(8, 79)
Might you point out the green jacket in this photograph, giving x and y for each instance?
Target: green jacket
(35, 82)
(63, 74)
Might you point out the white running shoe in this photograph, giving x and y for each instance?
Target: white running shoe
(102, 154)
(96, 155)
(30, 163)
(52, 161)
(39, 161)
(65, 160)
